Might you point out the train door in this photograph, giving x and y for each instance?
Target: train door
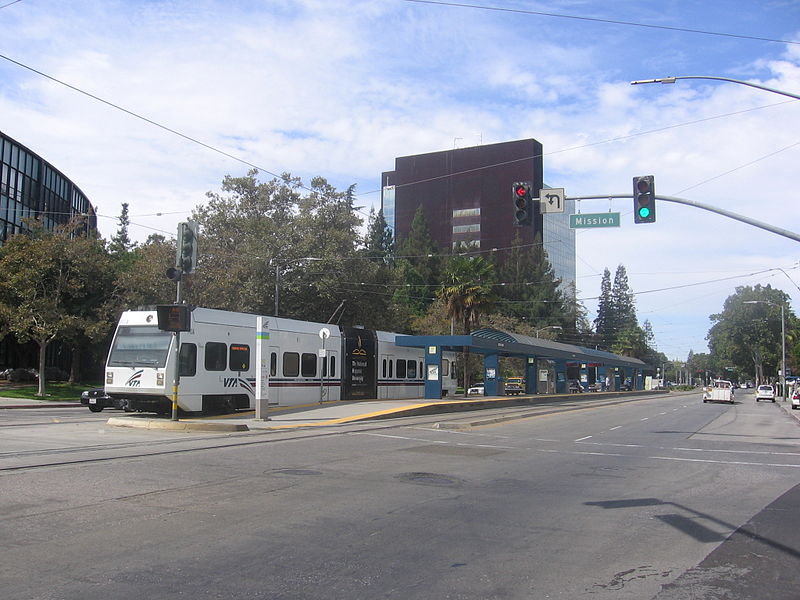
(360, 364)
(274, 375)
(383, 376)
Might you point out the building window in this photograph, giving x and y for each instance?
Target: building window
(466, 212)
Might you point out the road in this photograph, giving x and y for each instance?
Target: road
(664, 498)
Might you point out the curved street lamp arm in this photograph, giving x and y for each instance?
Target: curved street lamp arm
(739, 81)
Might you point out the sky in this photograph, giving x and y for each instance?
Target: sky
(340, 88)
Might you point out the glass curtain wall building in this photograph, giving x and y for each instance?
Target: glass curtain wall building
(32, 187)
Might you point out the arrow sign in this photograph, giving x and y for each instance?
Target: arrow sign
(551, 200)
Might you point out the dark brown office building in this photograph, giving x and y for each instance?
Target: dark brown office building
(465, 193)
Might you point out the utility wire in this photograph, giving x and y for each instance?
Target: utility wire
(598, 20)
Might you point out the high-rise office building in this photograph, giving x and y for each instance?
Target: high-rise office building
(466, 196)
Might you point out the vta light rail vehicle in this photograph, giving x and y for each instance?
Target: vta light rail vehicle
(218, 368)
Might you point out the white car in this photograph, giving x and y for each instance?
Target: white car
(796, 399)
(476, 390)
(765, 392)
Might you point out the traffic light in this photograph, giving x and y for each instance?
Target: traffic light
(523, 203)
(187, 247)
(644, 199)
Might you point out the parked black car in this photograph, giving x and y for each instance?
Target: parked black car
(97, 399)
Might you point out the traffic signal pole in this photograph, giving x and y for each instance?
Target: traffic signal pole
(720, 211)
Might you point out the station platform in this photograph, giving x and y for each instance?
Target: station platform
(336, 413)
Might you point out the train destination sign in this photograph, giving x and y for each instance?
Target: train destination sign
(586, 220)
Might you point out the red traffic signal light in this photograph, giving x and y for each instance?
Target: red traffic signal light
(644, 199)
(523, 203)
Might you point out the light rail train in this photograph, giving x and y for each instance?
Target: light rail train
(218, 363)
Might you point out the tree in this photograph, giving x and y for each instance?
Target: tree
(748, 336)
(121, 243)
(605, 324)
(55, 286)
(418, 266)
(143, 281)
(530, 290)
(467, 293)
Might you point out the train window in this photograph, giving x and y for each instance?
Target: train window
(333, 365)
(401, 368)
(291, 364)
(215, 356)
(411, 369)
(391, 366)
(273, 364)
(188, 360)
(308, 365)
(445, 367)
(239, 357)
(383, 369)
(421, 369)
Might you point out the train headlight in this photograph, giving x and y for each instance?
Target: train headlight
(109, 377)
(159, 379)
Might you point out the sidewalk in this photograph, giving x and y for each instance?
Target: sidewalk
(343, 412)
(35, 403)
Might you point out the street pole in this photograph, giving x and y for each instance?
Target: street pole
(176, 372)
(783, 354)
(277, 284)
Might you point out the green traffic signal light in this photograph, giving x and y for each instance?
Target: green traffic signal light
(644, 199)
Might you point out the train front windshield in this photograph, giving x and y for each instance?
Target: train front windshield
(140, 346)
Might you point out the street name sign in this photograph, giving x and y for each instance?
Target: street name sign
(551, 200)
(589, 220)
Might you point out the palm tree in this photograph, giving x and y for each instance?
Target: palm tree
(467, 293)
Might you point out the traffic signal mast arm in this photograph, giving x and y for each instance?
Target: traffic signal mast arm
(720, 211)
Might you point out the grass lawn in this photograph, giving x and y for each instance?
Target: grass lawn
(57, 392)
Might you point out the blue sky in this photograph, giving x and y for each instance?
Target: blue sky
(341, 88)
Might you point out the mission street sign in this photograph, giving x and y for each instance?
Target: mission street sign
(588, 220)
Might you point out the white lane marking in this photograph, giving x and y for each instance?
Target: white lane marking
(583, 438)
(725, 462)
(645, 419)
(662, 413)
(577, 452)
(682, 449)
(617, 427)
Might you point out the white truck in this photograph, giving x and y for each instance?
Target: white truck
(720, 391)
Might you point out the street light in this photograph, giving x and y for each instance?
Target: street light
(783, 341)
(739, 81)
(548, 327)
(278, 262)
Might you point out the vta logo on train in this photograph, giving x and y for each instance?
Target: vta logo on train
(135, 379)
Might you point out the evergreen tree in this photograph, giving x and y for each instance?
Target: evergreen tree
(121, 243)
(622, 300)
(605, 323)
(379, 242)
(418, 266)
(530, 290)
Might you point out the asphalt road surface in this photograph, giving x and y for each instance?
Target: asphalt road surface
(665, 498)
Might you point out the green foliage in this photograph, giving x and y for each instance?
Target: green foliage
(747, 336)
(55, 286)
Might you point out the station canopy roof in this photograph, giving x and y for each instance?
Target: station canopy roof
(495, 341)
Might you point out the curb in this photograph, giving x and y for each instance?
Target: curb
(175, 425)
